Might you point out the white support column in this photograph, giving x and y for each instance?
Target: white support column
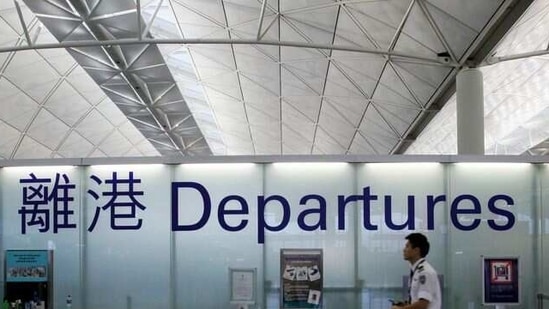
(470, 112)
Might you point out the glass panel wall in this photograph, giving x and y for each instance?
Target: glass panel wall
(496, 196)
(28, 225)
(203, 256)
(126, 237)
(398, 202)
(543, 248)
(311, 191)
(166, 236)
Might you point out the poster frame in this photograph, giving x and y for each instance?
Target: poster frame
(235, 299)
(49, 255)
(314, 253)
(515, 279)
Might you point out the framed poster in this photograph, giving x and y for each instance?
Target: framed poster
(301, 278)
(28, 276)
(500, 281)
(243, 285)
(27, 265)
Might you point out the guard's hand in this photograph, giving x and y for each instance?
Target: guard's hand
(397, 304)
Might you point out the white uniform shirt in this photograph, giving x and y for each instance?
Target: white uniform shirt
(424, 284)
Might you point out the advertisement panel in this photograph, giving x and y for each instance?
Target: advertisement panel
(301, 277)
(501, 284)
(28, 277)
(26, 266)
(243, 285)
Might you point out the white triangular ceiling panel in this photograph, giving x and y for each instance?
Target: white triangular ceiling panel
(195, 26)
(59, 59)
(97, 153)
(229, 108)
(399, 118)
(17, 108)
(363, 69)
(115, 145)
(29, 63)
(112, 112)
(432, 75)
(260, 85)
(266, 140)
(210, 8)
(418, 37)
(216, 56)
(70, 113)
(31, 149)
(392, 82)
(421, 89)
(380, 18)
(350, 108)
(298, 122)
(94, 127)
(293, 86)
(131, 133)
(239, 12)
(458, 35)
(85, 86)
(325, 143)
(259, 117)
(338, 126)
(349, 33)
(147, 149)
(8, 37)
(287, 6)
(9, 15)
(315, 25)
(374, 125)
(462, 9)
(256, 93)
(312, 71)
(390, 96)
(294, 143)
(10, 137)
(75, 146)
(308, 106)
(227, 83)
(340, 87)
(361, 146)
(48, 130)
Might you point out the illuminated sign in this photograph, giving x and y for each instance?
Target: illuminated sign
(48, 204)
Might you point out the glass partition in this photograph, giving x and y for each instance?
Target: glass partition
(204, 255)
(497, 195)
(126, 237)
(399, 203)
(311, 190)
(166, 236)
(28, 225)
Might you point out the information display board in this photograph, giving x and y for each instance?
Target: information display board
(26, 266)
(28, 277)
(301, 278)
(243, 285)
(501, 282)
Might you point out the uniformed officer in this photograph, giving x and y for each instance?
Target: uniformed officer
(424, 288)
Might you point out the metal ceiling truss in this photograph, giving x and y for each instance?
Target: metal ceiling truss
(134, 76)
(125, 61)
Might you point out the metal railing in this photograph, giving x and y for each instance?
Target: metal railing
(541, 297)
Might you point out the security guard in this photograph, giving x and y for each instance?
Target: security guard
(424, 288)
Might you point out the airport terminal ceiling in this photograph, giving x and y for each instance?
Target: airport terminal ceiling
(127, 78)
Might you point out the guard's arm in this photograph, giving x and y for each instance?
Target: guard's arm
(420, 304)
